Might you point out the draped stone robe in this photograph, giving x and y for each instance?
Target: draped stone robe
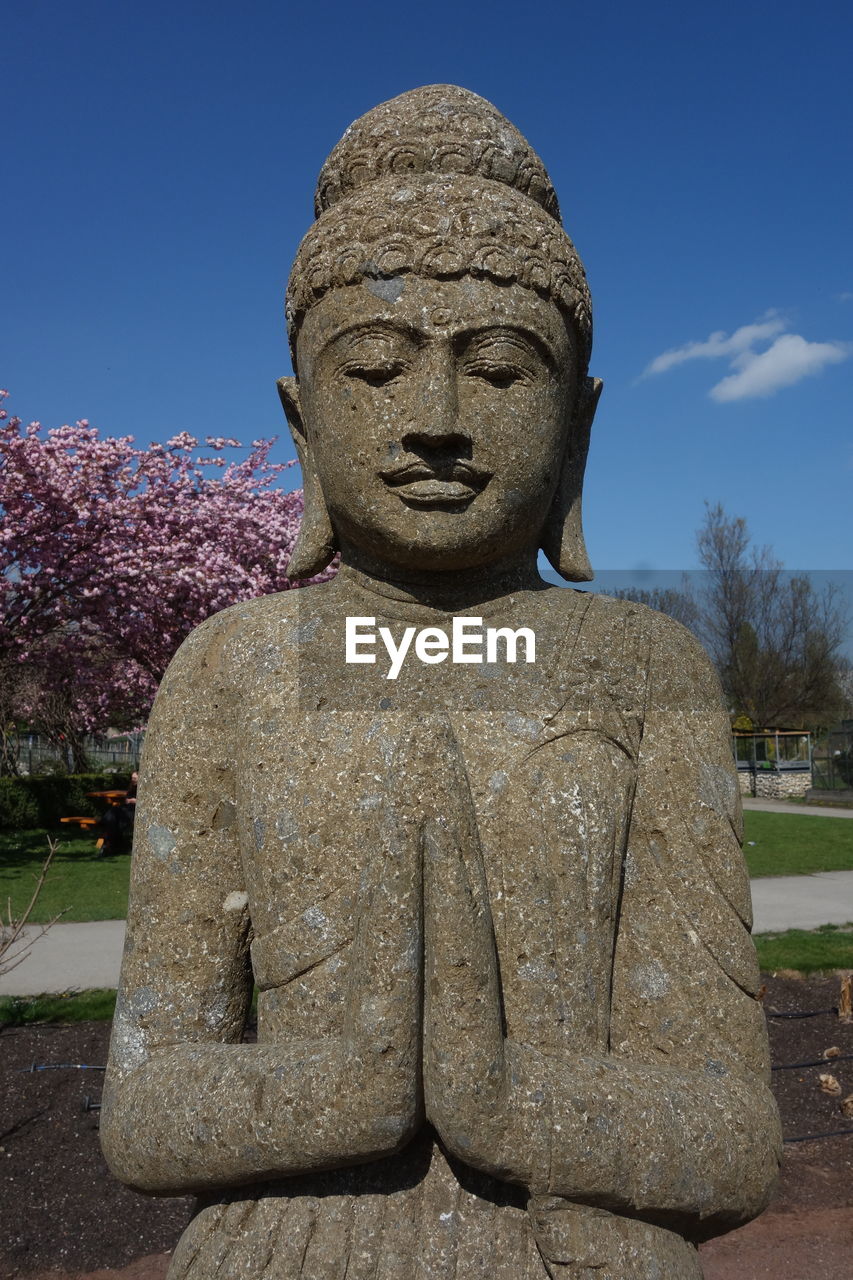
(607, 820)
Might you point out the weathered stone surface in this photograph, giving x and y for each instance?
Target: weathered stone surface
(496, 911)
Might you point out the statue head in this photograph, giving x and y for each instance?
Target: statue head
(440, 327)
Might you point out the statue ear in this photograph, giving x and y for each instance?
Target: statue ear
(315, 544)
(562, 536)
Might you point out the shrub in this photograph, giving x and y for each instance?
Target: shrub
(26, 803)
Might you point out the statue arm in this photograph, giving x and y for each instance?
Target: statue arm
(675, 1124)
(186, 1105)
(686, 1028)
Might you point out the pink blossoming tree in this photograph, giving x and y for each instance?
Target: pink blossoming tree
(110, 555)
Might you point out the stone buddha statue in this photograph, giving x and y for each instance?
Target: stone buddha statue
(474, 838)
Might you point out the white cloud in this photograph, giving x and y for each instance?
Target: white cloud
(720, 344)
(787, 361)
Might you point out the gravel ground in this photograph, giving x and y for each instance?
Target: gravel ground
(67, 1217)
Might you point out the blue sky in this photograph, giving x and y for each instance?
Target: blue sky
(159, 164)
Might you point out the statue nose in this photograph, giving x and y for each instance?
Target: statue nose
(436, 417)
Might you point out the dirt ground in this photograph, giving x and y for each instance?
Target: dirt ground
(64, 1216)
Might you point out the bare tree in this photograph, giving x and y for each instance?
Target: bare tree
(46, 706)
(678, 604)
(845, 684)
(15, 944)
(9, 684)
(53, 715)
(775, 639)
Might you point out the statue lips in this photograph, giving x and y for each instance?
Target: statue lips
(421, 484)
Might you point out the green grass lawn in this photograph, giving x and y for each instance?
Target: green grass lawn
(78, 883)
(95, 1005)
(74, 1006)
(829, 947)
(781, 844)
(85, 887)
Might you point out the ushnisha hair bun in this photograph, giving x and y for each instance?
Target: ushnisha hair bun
(439, 129)
(437, 183)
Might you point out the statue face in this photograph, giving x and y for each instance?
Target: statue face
(436, 415)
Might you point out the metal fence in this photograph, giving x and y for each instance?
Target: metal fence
(828, 759)
(35, 754)
(832, 759)
(773, 749)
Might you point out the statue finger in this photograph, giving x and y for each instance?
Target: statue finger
(384, 1005)
(463, 1018)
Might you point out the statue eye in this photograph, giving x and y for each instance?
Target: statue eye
(498, 374)
(376, 373)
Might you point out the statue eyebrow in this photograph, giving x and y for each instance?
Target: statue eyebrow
(357, 330)
(512, 332)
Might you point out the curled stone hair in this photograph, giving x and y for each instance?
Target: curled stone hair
(439, 184)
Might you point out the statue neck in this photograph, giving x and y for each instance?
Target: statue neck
(445, 592)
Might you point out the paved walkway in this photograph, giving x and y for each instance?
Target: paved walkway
(804, 810)
(802, 902)
(89, 955)
(68, 955)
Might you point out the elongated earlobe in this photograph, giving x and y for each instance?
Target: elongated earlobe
(315, 544)
(562, 536)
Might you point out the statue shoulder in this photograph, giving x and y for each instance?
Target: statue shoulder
(227, 644)
(670, 644)
(650, 655)
(681, 669)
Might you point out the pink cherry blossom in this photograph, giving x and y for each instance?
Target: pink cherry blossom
(110, 555)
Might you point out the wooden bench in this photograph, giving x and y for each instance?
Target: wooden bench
(87, 824)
